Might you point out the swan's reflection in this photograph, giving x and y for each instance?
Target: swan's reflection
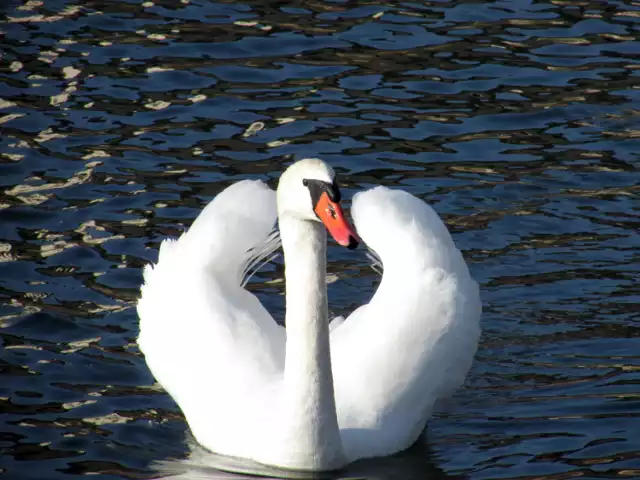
(413, 463)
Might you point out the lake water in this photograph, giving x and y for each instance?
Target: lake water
(518, 121)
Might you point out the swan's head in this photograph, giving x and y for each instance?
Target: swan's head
(308, 190)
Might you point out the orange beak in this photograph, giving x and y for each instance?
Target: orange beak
(333, 218)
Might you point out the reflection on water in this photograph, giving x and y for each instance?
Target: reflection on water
(415, 462)
(517, 120)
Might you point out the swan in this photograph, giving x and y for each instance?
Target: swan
(312, 397)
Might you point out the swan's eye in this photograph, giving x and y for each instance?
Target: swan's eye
(334, 191)
(317, 188)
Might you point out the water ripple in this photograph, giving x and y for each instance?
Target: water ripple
(518, 121)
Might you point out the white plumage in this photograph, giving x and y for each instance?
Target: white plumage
(221, 356)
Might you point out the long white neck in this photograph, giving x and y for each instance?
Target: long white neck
(310, 424)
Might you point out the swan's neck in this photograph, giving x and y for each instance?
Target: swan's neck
(311, 424)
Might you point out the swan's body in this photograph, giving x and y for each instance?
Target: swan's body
(308, 398)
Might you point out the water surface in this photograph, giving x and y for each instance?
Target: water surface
(517, 120)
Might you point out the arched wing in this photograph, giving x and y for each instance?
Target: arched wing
(207, 340)
(415, 340)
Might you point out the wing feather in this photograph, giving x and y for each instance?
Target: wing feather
(415, 340)
(207, 340)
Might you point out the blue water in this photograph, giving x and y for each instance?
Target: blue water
(518, 121)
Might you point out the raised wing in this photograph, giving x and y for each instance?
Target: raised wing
(415, 340)
(207, 340)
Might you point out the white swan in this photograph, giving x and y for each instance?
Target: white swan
(250, 389)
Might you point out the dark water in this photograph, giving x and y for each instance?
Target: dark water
(518, 121)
